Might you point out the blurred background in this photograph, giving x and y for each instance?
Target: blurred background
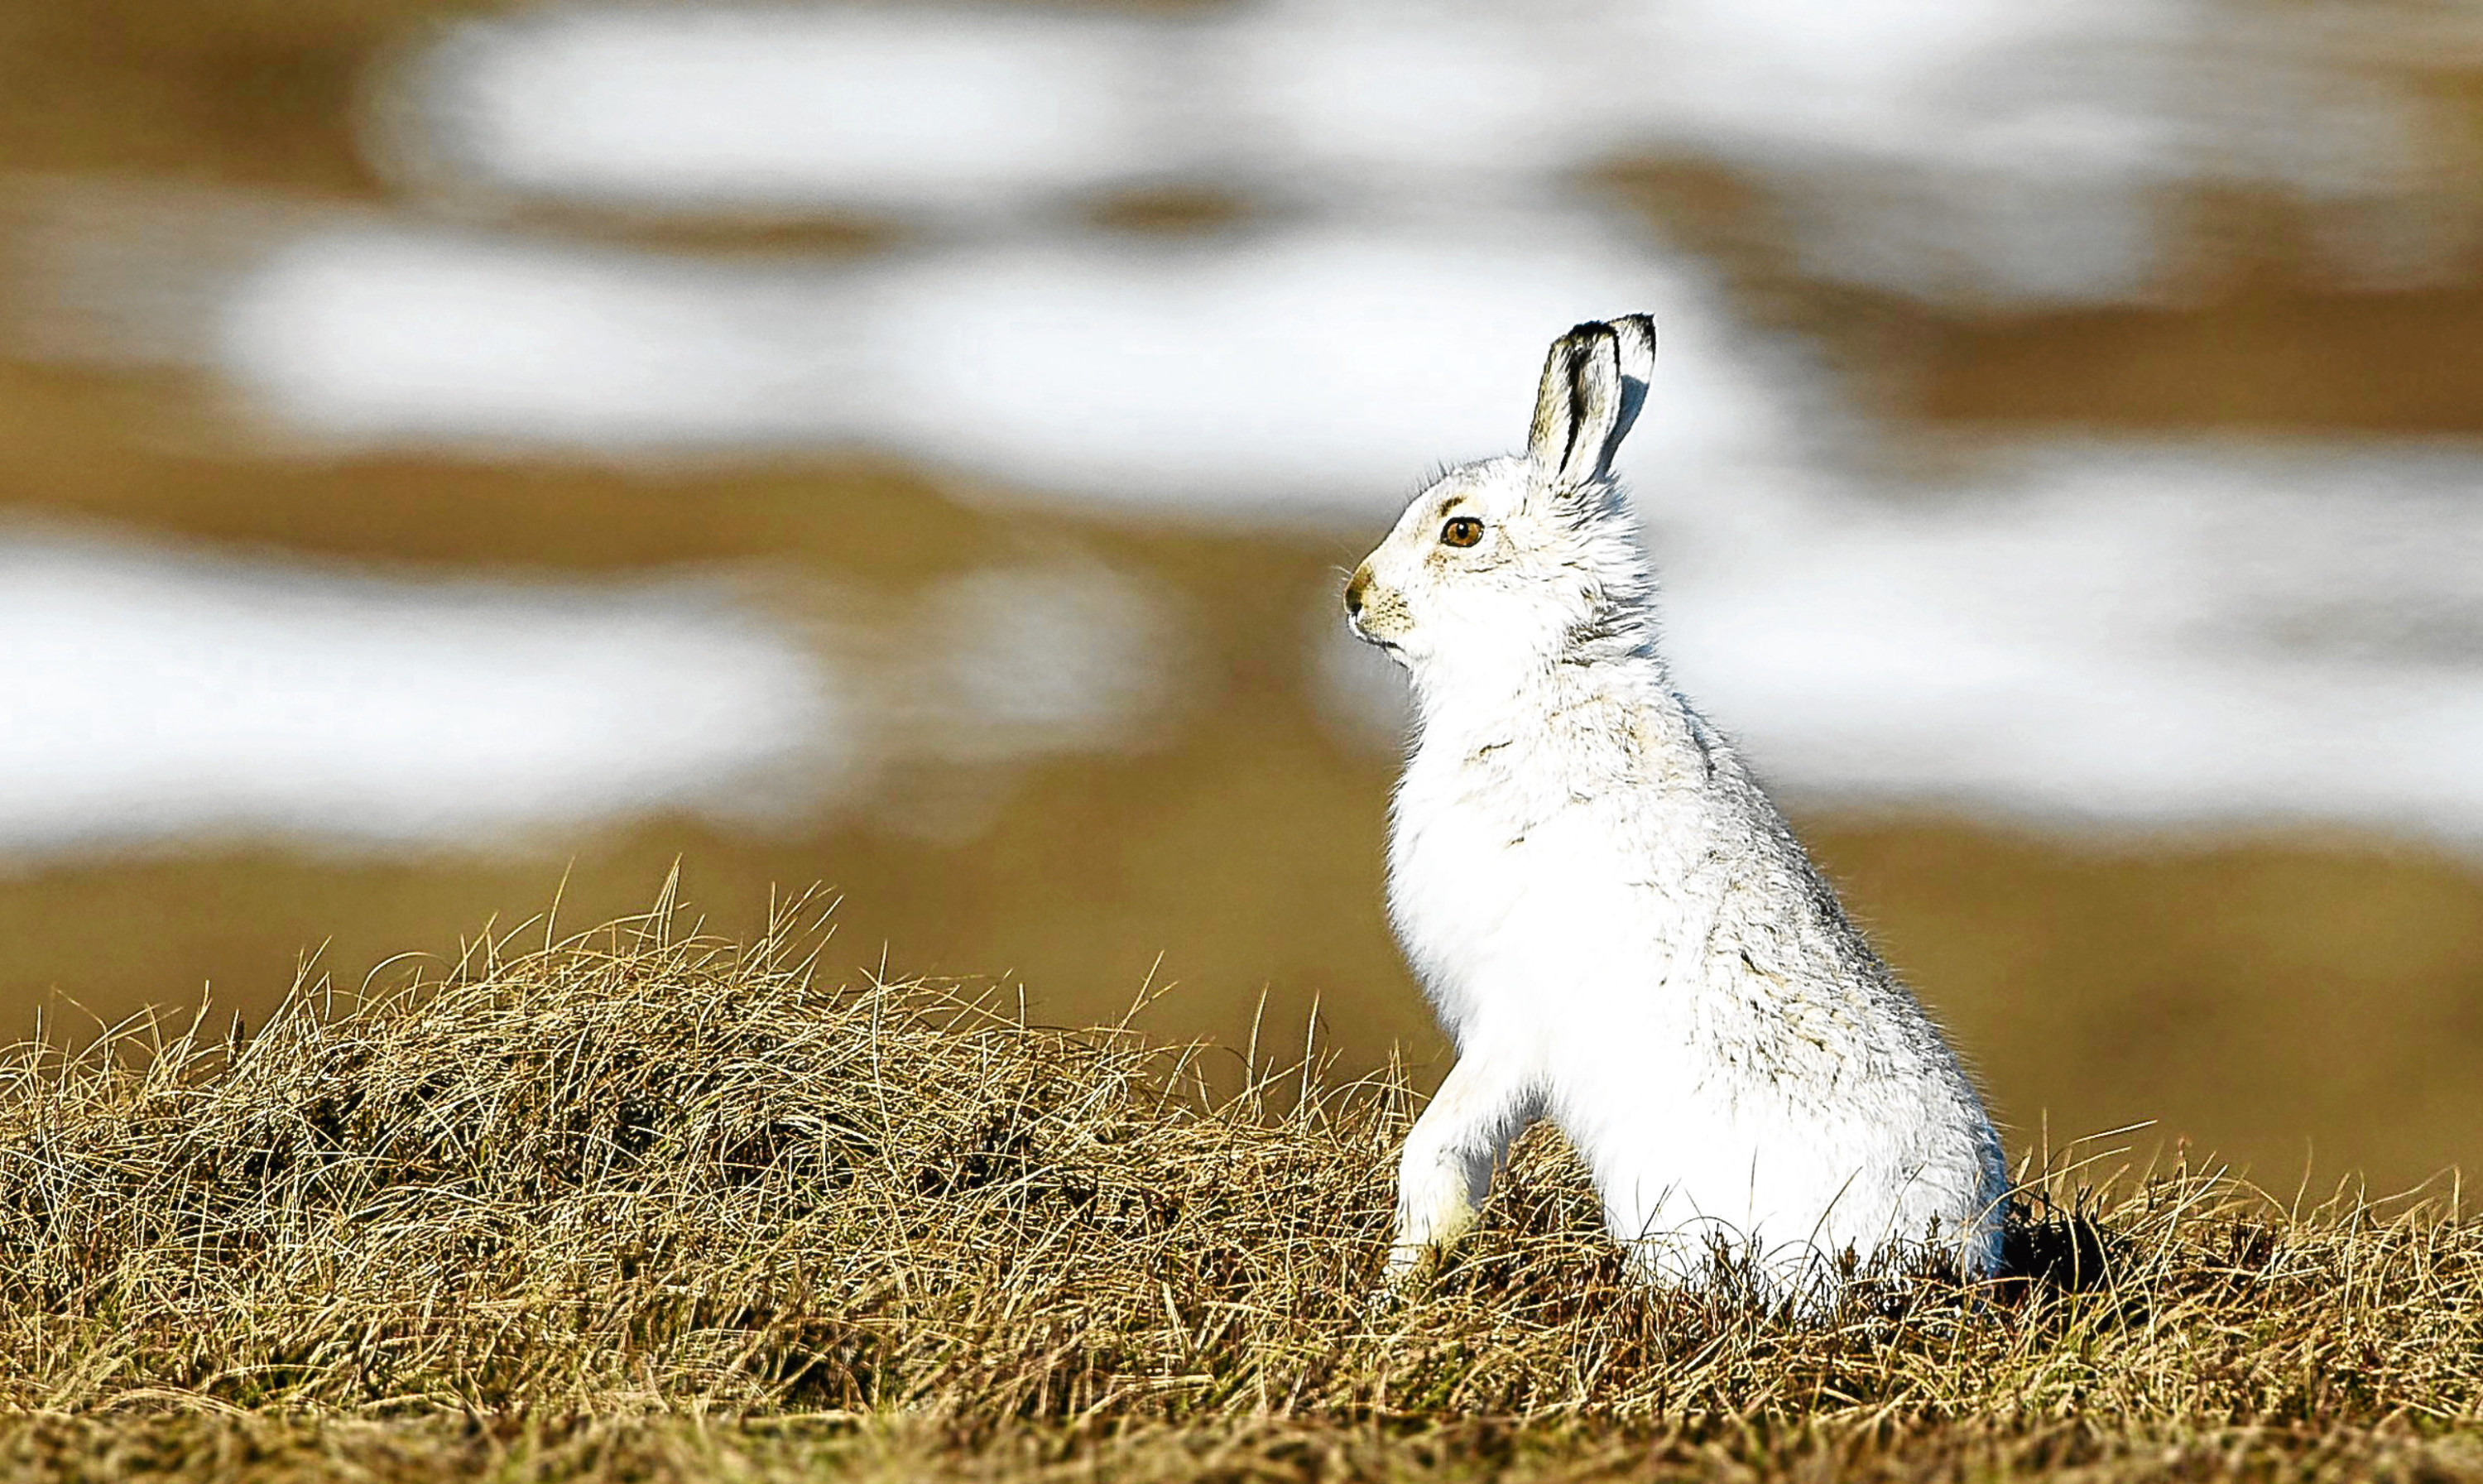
(453, 455)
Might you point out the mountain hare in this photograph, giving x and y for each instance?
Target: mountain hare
(1615, 924)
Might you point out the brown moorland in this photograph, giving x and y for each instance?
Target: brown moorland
(648, 1205)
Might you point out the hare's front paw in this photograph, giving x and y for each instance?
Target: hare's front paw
(1407, 1263)
(1427, 1225)
(1409, 1266)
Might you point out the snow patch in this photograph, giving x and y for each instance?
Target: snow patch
(1985, 147)
(158, 696)
(1301, 375)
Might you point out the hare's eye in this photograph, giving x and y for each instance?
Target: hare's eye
(1461, 531)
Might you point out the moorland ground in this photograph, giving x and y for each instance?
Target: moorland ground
(644, 1205)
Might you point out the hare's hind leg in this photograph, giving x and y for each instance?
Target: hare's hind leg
(1446, 1172)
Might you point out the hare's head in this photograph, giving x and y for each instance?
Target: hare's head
(1520, 562)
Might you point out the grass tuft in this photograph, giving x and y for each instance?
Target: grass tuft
(650, 1205)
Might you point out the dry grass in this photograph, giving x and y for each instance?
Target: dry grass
(650, 1205)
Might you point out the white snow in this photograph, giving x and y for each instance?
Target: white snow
(2128, 636)
(159, 694)
(159, 697)
(785, 109)
(1995, 148)
(377, 334)
(1301, 374)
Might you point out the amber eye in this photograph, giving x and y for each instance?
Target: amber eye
(1461, 531)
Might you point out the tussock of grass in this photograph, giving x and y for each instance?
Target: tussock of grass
(638, 1175)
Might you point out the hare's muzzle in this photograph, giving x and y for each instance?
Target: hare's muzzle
(1376, 613)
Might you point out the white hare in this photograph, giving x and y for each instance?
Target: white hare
(1615, 924)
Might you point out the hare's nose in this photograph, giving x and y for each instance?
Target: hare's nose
(1354, 590)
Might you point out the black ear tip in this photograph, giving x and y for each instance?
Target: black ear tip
(1587, 337)
(1635, 337)
(1589, 344)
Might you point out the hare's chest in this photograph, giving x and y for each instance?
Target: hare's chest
(1503, 908)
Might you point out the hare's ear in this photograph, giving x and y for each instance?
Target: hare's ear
(1636, 335)
(1594, 383)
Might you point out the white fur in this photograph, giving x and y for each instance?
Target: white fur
(1615, 924)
